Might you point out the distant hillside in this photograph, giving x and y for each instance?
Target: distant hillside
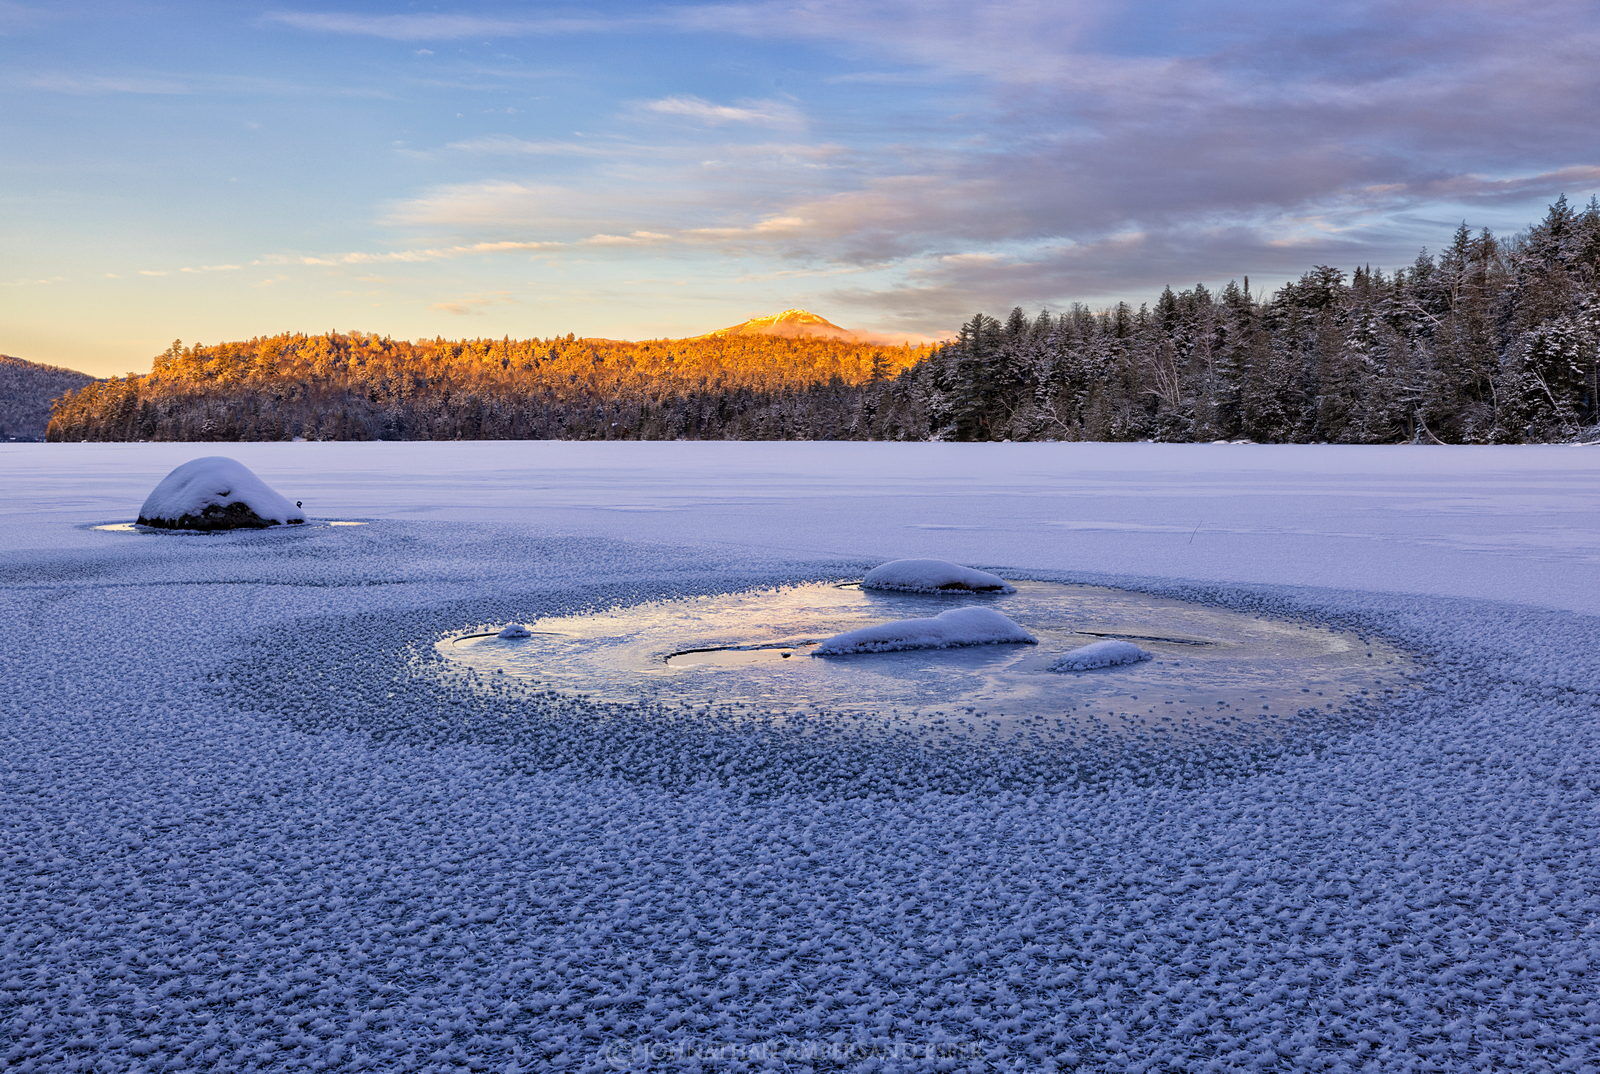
(26, 391)
(353, 386)
(803, 324)
(791, 324)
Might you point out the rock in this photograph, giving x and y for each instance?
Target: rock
(1100, 654)
(933, 576)
(216, 493)
(953, 629)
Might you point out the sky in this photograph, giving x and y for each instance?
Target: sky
(216, 170)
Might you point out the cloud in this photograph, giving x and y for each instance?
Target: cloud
(1130, 264)
(509, 145)
(16, 18)
(1002, 151)
(1009, 40)
(88, 85)
(492, 203)
(1467, 189)
(634, 238)
(768, 113)
(473, 303)
(73, 82)
(413, 256)
(433, 27)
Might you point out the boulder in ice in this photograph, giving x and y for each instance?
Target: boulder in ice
(947, 630)
(933, 576)
(216, 493)
(1100, 654)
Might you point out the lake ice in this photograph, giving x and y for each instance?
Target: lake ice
(254, 819)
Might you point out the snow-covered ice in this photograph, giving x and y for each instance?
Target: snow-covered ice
(1100, 654)
(250, 824)
(216, 492)
(948, 630)
(932, 576)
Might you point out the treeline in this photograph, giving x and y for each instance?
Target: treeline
(1491, 341)
(353, 386)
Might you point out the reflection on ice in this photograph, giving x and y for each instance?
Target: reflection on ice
(748, 648)
(740, 655)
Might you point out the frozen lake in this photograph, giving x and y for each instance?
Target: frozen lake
(1506, 523)
(250, 819)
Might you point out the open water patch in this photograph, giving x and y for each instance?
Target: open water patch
(754, 649)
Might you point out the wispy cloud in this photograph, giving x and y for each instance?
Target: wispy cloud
(768, 112)
(89, 85)
(492, 203)
(995, 150)
(471, 304)
(413, 256)
(512, 146)
(1009, 40)
(435, 27)
(16, 18)
(1105, 268)
(167, 85)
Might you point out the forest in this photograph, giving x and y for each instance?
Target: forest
(356, 386)
(1490, 341)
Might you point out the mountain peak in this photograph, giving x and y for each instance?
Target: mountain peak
(790, 324)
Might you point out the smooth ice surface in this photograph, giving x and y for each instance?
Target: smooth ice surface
(215, 481)
(250, 822)
(931, 576)
(730, 649)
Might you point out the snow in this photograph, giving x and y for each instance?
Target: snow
(199, 490)
(1509, 523)
(514, 630)
(932, 576)
(252, 824)
(1100, 654)
(947, 630)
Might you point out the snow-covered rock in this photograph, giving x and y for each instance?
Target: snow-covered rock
(216, 493)
(514, 630)
(1101, 654)
(932, 576)
(947, 630)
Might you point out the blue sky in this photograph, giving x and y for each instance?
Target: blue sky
(218, 170)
